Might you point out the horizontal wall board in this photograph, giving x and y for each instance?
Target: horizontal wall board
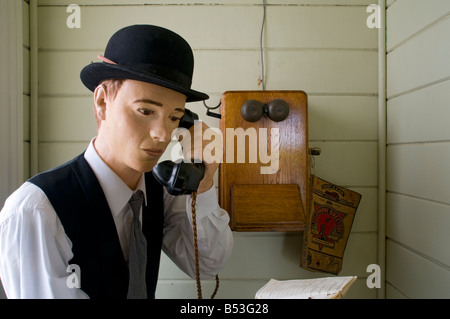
(215, 27)
(337, 118)
(420, 170)
(419, 61)
(407, 17)
(319, 27)
(210, 2)
(343, 118)
(317, 2)
(415, 276)
(279, 255)
(148, 2)
(55, 154)
(59, 72)
(216, 71)
(220, 71)
(228, 289)
(366, 218)
(392, 293)
(238, 289)
(420, 224)
(420, 116)
(343, 72)
(66, 119)
(313, 71)
(361, 251)
(323, 71)
(71, 118)
(347, 163)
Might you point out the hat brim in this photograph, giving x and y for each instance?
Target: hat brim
(93, 74)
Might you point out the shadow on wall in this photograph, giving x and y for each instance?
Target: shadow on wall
(292, 246)
(2, 292)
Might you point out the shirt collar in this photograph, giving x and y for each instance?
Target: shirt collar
(117, 193)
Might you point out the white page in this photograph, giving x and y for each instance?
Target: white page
(319, 288)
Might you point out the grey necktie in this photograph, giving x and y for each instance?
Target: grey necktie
(137, 251)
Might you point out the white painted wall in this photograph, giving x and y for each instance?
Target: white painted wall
(12, 88)
(322, 47)
(418, 151)
(14, 97)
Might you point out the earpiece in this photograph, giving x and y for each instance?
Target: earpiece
(253, 110)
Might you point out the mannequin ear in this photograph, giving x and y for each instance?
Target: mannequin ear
(100, 102)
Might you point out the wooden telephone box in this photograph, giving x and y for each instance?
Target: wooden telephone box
(263, 180)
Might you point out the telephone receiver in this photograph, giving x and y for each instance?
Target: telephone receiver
(183, 179)
(180, 178)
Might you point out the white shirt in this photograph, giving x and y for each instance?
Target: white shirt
(35, 251)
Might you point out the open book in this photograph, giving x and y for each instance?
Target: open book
(319, 288)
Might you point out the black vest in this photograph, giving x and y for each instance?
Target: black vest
(79, 201)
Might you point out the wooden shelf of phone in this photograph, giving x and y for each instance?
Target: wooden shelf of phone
(266, 202)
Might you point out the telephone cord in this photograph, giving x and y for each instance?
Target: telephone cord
(197, 265)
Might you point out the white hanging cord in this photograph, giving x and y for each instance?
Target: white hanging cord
(261, 46)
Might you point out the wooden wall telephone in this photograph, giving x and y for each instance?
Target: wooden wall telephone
(259, 196)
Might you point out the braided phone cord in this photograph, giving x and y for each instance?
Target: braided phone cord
(197, 265)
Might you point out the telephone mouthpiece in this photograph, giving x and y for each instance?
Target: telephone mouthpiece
(179, 178)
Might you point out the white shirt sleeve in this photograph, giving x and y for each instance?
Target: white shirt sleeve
(215, 239)
(34, 249)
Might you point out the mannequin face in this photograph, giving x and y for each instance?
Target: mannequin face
(136, 126)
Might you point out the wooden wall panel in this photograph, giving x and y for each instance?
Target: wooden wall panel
(410, 115)
(414, 275)
(420, 61)
(418, 206)
(420, 170)
(332, 55)
(406, 18)
(420, 224)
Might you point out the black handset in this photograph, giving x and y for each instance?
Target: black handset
(180, 178)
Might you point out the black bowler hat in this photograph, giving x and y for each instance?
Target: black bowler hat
(146, 53)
